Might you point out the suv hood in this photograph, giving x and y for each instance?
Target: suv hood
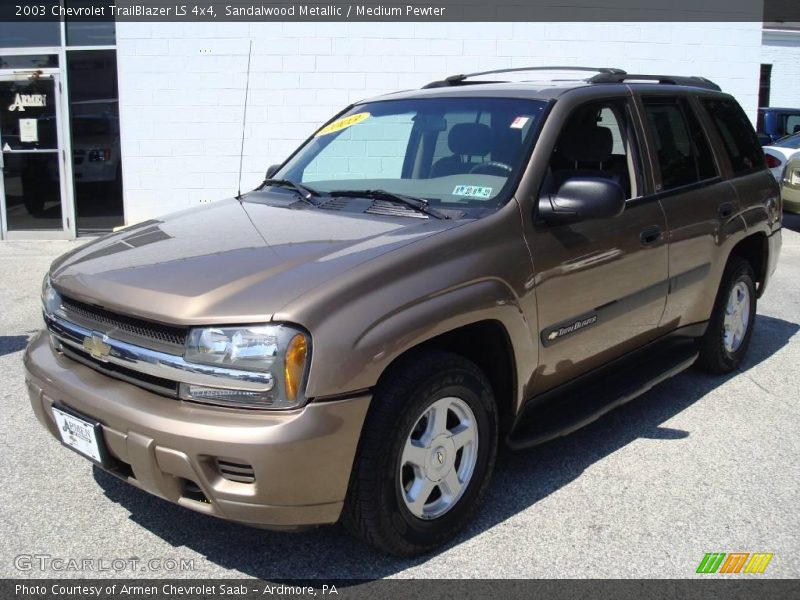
(229, 262)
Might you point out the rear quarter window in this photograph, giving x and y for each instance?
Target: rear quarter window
(736, 132)
(682, 150)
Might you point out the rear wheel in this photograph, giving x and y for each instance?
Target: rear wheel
(728, 335)
(425, 456)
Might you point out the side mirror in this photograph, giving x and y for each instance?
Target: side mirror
(582, 198)
(272, 170)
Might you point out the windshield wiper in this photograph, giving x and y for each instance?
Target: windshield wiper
(419, 204)
(305, 192)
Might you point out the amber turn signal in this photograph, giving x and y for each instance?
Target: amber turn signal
(295, 365)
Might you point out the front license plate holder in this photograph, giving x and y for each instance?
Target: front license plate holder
(82, 434)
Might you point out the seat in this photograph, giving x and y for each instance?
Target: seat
(465, 141)
(589, 148)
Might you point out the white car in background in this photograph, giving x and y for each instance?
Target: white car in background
(790, 186)
(779, 152)
(96, 148)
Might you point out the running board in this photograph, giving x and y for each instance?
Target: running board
(573, 405)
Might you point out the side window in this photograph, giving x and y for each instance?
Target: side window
(596, 141)
(737, 134)
(792, 124)
(608, 120)
(682, 150)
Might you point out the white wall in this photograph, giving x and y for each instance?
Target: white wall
(182, 84)
(782, 51)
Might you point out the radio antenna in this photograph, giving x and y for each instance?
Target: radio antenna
(244, 120)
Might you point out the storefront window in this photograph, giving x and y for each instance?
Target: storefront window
(29, 34)
(32, 186)
(90, 33)
(94, 124)
(29, 61)
(80, 33)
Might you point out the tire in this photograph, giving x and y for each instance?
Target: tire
(401, 450)
(720, 353)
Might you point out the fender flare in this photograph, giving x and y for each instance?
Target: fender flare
(408, 326)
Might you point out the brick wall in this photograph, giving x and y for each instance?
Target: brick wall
(782, 51)
(182, 84)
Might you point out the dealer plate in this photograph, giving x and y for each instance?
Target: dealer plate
(79, 434)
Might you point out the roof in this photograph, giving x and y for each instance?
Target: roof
(547, 89)
(778, 109)
(536, 90)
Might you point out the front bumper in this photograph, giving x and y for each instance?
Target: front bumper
(301, 459)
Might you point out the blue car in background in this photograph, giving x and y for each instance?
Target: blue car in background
(775, 123)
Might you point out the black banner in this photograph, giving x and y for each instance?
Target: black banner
(734, 588)
(781, 11)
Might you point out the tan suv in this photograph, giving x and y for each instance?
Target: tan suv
(432, 273)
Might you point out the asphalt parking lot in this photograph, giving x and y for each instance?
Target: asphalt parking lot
(699, 464)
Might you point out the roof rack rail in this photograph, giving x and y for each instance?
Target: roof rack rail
(700, 82)
(462, 79)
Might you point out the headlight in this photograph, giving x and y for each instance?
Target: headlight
(280, 350)
(51, 300)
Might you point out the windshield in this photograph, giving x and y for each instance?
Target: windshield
(449, 151)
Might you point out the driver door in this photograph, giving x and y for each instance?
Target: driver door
(601, 284)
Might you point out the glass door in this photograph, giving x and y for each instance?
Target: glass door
(32, 191)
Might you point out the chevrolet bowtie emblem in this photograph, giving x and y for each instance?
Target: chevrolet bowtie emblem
(95, 346)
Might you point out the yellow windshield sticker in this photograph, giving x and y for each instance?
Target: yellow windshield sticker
(342, 123)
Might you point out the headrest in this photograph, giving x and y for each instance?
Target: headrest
(587, 144)
(470, 139)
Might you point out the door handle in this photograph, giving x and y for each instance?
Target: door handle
(650, 235)
(725, 209)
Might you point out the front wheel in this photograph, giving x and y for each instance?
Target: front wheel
(728, 335)
(426, 454)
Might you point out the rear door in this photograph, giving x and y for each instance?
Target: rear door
(600, 284)
(699, 204)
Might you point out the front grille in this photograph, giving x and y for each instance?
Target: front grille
(159, 385)
(236, 471)
(147, 329)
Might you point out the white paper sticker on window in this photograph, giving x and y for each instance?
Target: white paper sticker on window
(472, 191)
(519, 122)
(28, 130)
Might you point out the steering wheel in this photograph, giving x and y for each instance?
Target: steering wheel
(493, 167)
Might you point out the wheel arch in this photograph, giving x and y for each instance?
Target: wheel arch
(754, 249)
(493, 354)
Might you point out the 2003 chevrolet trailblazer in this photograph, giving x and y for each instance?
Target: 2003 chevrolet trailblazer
(432, 272)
